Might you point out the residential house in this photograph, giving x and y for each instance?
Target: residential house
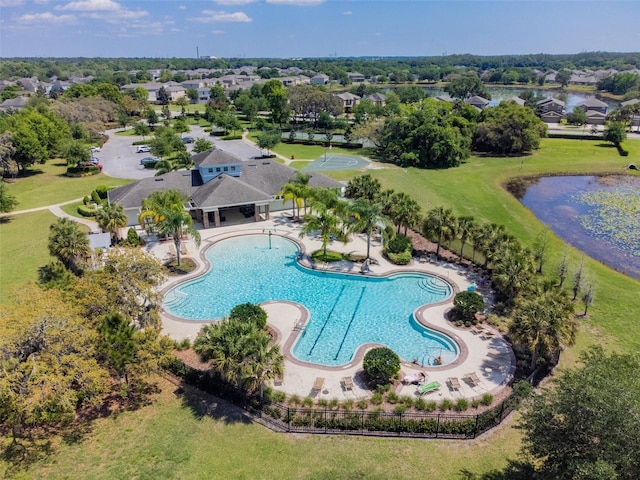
(445, 97)
(349, 100)
(221, 189)
(355, 77)
(478, 102)
(583, 80)
(517, 100)
(320, 79)
(377, 99)
(596, 117)
(635, 118)
(550, 104)
(551, 116)
(592, 104)
(17, 103)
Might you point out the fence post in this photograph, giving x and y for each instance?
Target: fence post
(501, 411)
(475, 428)
(438, 426)
(325, 420)
(289, 419)
(362, 421)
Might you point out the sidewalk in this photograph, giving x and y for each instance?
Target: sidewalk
(58, 212)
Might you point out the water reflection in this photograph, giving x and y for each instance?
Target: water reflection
(599, 215)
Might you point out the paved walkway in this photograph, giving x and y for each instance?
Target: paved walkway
(58, 212)
(485, 353)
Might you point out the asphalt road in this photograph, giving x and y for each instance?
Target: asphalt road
(120, 160)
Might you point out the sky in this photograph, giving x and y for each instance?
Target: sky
(314, 28)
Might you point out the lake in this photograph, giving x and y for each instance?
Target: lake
(599, 215)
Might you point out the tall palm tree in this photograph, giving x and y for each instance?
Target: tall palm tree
(513, 272)
(295, 193)
(466, 226)
(438, 225)
(405, 211)
(169, 217)
(263, 362)
(545, 323)
(325, 222)
(68, 244)
(366, 217)
(111, 218)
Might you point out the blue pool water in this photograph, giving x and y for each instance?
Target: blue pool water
(346, 310)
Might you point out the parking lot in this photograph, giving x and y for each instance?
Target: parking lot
(120, 160)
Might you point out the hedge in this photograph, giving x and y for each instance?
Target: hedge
(622, 150)
(86, 211)
(402, 258)
(82, 171)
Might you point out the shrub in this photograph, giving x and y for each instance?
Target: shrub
(294, 400)
(363, 404)
(399, 244)
(393, 398)
(402, 258)
(102, 191)
(250, 312)
(348, 404)
(407, 400)
(82, 171)
(420, 404)
(333, 403)
(446, 405)
(278, 396)
(467, 304)
(133, 238)
(462, 404)
(307, 402)
(376, 398)
(431, 406)
(322, 402)
(400, 408)
(86, 211)
(96, 198)
(381, 364)
(487, 399)
(475, 403)
(232, 137)
(86, 200)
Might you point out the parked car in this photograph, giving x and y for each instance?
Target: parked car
(95, 160)
(187, 139)
(149, 160)
(95, 149)
(143, 149)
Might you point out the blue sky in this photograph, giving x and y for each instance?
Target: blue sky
(314, 28)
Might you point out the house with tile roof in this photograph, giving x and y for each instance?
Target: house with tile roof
(592, 104)
(221, 189)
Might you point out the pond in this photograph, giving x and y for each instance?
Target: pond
(599, 215)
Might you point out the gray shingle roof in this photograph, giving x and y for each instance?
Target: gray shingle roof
(592, 102)
(224, 191)
(215, 157)
(132, 195)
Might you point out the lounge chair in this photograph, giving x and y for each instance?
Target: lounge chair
(428, 388)
(318, 384)
(472, 379)
(454, 383)
(348, 383)
(172, 250)
(423, 259)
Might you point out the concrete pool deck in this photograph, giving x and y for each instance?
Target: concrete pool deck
(485, 352)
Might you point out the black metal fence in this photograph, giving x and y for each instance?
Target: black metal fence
(349, 422)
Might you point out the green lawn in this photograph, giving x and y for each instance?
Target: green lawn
(306, 152)
(168, 439)
(172, 440)
(47, 185)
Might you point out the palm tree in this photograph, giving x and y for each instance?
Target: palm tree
(264, 362)
(68, 244)
(545, 323)
(111, 218)
(439, 225)
(466, 227)
(366, 217)
(405, 211)
(169, 217)
(293, 192)
(513, 272)
(325, 222)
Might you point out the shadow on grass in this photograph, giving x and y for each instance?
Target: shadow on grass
(20, 454)
(203, 405)
(515, 470)
(605, 145)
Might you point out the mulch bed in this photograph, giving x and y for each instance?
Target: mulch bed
(188, 265)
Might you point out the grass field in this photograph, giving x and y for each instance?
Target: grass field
(172, 439)
(47, 185)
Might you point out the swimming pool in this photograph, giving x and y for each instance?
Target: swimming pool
(346, 311)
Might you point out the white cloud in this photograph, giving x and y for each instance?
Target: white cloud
(348, 12)
(234, 2)
(217, 32)
(297, 3)
(46, 17)
(182, 7)
(11, 3)
(91, 6)
(213, 16)
(41, 2)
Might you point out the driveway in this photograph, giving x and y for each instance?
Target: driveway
(120, 160)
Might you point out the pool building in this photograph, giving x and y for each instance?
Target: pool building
(222, 189)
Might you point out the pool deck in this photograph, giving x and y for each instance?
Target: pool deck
(484, 352)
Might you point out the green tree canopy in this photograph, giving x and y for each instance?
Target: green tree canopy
(466, 86)
(68, 244)
(381, 364)
(587, 425)
(509, 129)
